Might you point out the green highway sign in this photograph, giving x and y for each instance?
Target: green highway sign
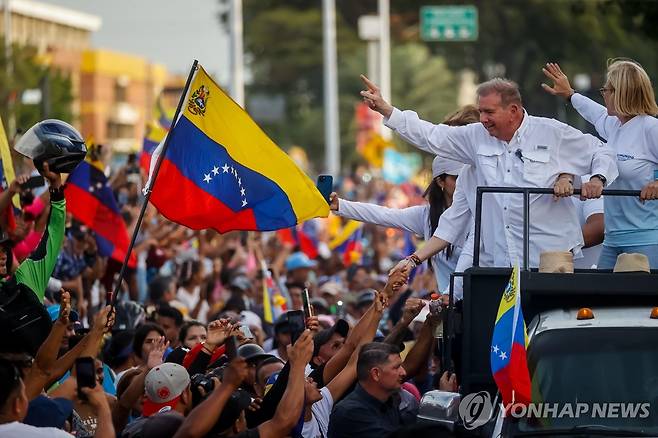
(449, 23)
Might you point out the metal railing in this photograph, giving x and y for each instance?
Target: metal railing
(526, 191)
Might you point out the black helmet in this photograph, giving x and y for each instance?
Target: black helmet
(55, 142)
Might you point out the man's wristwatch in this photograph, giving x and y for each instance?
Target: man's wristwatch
(601, 177)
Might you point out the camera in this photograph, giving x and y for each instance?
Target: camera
(206, 382)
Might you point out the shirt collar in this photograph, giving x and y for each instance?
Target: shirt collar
(363, 394)
(523, 128)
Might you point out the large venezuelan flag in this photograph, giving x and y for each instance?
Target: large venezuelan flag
(221, 170)
(90, 200)
(509, 365)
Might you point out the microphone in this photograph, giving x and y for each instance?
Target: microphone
(519, 154)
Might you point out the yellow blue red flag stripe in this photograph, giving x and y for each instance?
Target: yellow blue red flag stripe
(508, 345)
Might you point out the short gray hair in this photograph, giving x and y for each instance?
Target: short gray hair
(508, 90)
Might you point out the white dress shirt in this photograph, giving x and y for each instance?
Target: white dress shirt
(413, 219)
(547, 148)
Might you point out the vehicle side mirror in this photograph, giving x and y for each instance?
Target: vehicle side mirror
(440, 407)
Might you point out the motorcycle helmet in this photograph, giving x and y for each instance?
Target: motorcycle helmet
(55, 142)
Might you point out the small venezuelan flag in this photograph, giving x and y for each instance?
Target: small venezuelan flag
(221, 171)
(348, 243)
(509, 365)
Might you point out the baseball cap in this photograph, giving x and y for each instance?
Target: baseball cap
(163, 386)
(252, 352)
(298, 260)
(331, 288)
(44, 411)
(442, 165)
(341, 327)
(53, 311)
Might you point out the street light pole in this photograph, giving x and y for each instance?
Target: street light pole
(330, 79)
(237, 50)
(385, 56)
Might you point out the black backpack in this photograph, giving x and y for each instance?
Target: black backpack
(24, 321)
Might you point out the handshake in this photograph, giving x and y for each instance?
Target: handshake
(399, 275)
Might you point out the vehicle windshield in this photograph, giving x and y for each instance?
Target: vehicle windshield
(614, 371)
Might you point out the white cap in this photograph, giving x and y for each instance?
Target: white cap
(442, 165)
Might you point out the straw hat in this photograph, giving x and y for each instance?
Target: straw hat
(556, 261)
(632, 262)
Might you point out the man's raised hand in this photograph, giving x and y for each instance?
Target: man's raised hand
(373, 98)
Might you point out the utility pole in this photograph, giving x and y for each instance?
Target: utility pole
(330, 77)
(9, 70)
(237, 50)
(385, 56)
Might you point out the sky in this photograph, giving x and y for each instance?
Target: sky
(169, 32)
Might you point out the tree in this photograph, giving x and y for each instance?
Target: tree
(29, 74)
(283, 40)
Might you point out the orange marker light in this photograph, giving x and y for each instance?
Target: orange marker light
(654, 313)
(585, 313)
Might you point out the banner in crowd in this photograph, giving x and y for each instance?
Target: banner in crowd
(509, 365)
(90, 199)
(400, 167)
(221, 171)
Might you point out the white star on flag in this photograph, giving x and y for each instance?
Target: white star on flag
(215, 170)
(207, 178)
(225, 168)
(503, 355)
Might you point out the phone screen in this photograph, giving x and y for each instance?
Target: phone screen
(231, 348)
(325, 185)
(297, 324)
(308, 311)
(85, 371)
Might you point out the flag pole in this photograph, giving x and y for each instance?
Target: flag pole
(111, 297)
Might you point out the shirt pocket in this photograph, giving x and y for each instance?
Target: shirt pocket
(536, 167)
(488, 165)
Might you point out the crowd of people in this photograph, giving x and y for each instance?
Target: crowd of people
(200, 341)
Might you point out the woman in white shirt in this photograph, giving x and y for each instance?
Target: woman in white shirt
(191, 292)
(420, 220)
(627, 122)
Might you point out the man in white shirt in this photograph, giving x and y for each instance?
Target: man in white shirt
(511, 148)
